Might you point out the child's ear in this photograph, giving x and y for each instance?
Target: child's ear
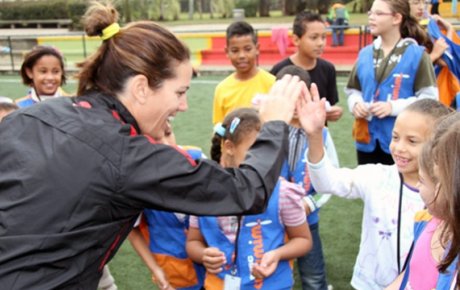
(295, 40)
(226, 51)
(29, 73)
(257, 48)
(228, 147)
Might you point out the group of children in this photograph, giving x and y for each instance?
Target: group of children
(421, 137)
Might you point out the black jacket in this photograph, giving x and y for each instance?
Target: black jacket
(73, 179)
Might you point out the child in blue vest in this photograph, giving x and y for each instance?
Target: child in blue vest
(159, 239)
(389, 192)
(43, 71)
(250, 251)
(391, 73)
(311, 266)
(431, 236)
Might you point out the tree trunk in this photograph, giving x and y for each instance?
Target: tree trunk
(289, 7)
(127, 10)
(264, 8)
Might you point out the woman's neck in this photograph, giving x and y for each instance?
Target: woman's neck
(306, 63)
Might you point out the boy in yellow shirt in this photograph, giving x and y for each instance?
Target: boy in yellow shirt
(239, 88)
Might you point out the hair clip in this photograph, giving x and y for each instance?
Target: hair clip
(235, 122)
(219, 130)
(110, 31)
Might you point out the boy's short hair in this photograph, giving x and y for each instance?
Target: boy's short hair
(240, 28)
(295, 71)
(302, 19)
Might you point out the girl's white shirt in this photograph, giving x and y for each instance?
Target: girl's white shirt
(378, 186)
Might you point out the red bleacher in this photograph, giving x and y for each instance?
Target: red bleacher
(269, 53)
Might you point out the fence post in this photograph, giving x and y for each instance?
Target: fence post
(84, 44)
(10, 45)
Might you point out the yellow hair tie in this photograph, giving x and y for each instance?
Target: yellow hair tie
(110, 31)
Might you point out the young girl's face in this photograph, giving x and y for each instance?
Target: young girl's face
(381, 18)
(46, 75)
(428, 192)
(410, 132)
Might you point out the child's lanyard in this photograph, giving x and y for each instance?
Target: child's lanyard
(379, 78)
(234, 269)
(398, 234)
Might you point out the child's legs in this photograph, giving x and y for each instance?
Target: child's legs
(311, 266)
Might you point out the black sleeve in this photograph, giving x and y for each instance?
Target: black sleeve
(159, 177)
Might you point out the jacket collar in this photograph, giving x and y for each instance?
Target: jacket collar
(98, 99)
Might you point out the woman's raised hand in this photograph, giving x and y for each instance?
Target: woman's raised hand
(280, 103)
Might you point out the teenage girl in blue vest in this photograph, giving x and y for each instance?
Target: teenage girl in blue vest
(431, 236)
(159, 239)
(43, 71)
(401, 72)
(249, 251)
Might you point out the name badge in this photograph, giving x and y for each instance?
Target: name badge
(232, 282)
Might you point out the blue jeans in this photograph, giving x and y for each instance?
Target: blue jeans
(311, 266)
(338, 33)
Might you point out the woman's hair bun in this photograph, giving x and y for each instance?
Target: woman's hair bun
(98, 16)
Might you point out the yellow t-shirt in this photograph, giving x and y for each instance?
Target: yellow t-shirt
(232, 93)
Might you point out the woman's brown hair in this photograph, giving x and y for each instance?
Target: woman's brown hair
(142, 47)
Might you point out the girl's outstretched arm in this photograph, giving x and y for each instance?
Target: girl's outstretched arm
(140, 245)
(312, 117)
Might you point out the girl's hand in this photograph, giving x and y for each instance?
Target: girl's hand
(280, 103)
(312, 111)
(360, 110)
(267, 265)
(380, 109)
(213, 260)
(439, 46)
(159, 278)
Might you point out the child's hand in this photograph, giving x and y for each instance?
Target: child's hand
(213, 260)
(380, 109)
(312, 111)
(280, 103)
(267, 266)
(439, 46)
(360, 110)
(159, 278)
(334, 113)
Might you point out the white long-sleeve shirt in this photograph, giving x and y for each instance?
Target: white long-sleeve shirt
(378, 186)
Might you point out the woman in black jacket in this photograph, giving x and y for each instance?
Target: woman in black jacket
(76, 172)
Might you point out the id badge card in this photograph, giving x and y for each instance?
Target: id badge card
(232, 282)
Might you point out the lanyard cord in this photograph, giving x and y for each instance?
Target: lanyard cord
(234, 269)
(398, 234)
(379, 78)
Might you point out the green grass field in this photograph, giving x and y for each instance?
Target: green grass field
(340, 219)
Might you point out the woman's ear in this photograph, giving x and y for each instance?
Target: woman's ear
(139, 88)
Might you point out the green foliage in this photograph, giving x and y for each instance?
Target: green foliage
(43, 10)
(249, 6)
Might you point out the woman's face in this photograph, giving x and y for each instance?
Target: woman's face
(46, 75)
(165, 102)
